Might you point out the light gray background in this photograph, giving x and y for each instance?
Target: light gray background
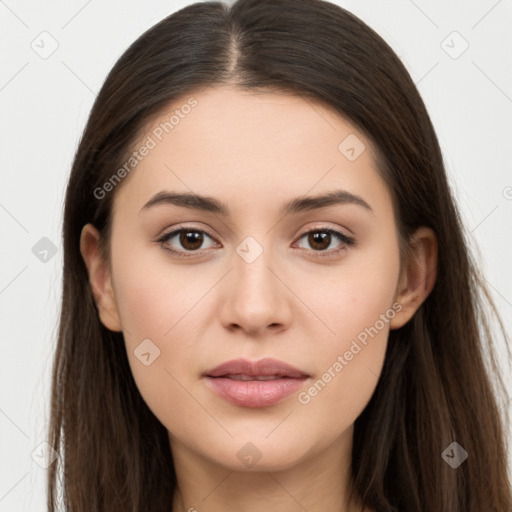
(45, 103)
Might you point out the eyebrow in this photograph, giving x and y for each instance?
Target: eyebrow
(297, 205)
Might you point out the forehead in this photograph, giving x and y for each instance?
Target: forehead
(249, 146)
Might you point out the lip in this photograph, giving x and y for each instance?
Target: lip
(224, 381)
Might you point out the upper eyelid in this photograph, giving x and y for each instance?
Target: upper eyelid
(175, 231)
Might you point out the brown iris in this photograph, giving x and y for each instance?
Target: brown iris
(319, 240)
(191, 239)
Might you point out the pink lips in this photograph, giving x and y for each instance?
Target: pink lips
(255, 384)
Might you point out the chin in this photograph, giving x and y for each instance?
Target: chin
(255, 456)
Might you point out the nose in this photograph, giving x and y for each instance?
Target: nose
(256, 299)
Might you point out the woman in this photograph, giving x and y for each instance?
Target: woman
(268, 300)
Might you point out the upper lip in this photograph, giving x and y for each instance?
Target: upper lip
(262, 368)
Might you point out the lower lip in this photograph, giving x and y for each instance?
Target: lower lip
(254, 393)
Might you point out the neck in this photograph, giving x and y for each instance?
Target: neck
(321, 482)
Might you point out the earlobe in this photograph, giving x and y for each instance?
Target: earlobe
(418, 275)
(99, 278)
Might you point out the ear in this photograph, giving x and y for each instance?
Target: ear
(99, 278)
(418, 275)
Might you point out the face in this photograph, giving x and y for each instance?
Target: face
(315, 286)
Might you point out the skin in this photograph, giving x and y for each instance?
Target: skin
(254, 153)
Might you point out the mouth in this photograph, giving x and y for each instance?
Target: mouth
(254, 377)
(255, 384)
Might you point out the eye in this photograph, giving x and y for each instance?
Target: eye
(321, 238)
(190, 239)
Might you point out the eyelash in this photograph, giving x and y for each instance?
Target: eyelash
(348, 241)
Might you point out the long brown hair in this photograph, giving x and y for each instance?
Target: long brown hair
(436, 387)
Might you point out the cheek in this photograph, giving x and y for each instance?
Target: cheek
(154, 296)
(160, 303)
(352, 297)
(349, 363)
(356, 303)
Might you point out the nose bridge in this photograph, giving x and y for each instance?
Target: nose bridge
(255, 282)
(252, 263)
(256, 297)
